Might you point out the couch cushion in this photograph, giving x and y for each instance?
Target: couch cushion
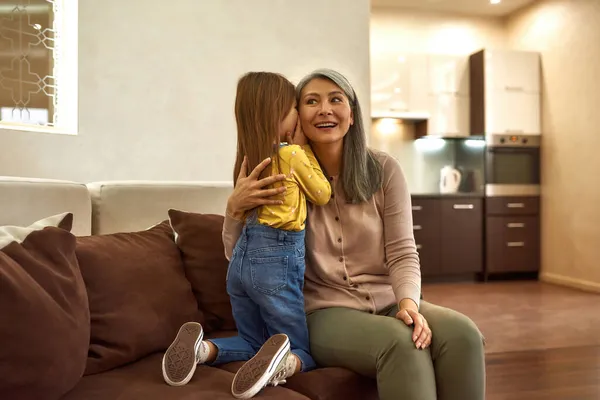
(25, 200)
(143, 380)
(128, 206)
(44, 317)
(138, 294)
(326, 383)
(321, 383)
(199, 238)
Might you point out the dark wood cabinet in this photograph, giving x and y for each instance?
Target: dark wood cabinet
(426, 226)
(449, 235)
(512, 205)
(462, 236)
(512, 234)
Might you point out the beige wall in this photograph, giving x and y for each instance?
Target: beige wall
(157, 82)
(401, 30)
(567, 33)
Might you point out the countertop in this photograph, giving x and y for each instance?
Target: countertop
(447, 195)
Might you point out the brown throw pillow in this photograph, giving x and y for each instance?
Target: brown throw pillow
(44, 315)
(138, 294)
(199, 239)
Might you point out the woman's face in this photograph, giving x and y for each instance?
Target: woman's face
(325, 112)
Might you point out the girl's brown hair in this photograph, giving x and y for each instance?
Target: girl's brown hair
(263, 100)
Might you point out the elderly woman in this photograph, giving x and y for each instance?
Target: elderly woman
(363, 281)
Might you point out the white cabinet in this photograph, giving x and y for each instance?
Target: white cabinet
(505, 92)
(448, 94)
(448, 74)
(449, 115)
(515, 71)
(397, 82)
(510, 112)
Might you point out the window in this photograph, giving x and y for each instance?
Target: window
(38, 65)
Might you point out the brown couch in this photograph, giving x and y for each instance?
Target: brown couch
(97, 294)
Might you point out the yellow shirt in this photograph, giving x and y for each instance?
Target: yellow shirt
(305, 180)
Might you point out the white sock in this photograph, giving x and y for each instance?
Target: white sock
(203, 352)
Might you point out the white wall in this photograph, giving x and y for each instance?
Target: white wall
(157, 82)
(398, 31)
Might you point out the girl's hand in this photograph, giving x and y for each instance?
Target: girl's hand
(249, 193)
(421, 332)
(298, 136)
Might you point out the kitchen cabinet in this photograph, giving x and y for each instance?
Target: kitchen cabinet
(448, 95)
(513, 112)
(462, 236)
(512, 71)
(449, 235)
(505, 95)
(512, 235)
(448, 74)
(426, 226)
(397, 86)
(449, 115)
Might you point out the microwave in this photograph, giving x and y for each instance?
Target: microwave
(512, 165)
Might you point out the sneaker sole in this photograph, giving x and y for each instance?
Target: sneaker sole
(179, 361)
(254, 375)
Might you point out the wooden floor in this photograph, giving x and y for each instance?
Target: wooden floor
(543, 341)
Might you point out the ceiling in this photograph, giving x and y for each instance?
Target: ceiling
(473, 7)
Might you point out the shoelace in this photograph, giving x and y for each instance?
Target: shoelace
(279, 378)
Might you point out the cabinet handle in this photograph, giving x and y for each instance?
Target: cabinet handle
(463, 206)
(514, 88)
(515, 244)
(419, 247)
(417, 227)
(515, 225)
(515, 205)
(417, 208)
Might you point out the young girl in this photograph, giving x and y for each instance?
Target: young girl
(266, 271)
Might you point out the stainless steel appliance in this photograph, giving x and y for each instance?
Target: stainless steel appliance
(512, 165)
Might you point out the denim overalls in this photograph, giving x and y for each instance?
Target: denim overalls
(265, 280)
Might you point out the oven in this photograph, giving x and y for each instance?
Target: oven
(512, 165)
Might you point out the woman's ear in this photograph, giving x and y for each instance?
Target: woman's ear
(351, 117)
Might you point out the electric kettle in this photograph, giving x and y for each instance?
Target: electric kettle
(449, 179)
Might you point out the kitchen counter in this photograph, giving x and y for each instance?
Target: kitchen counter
(447, 195)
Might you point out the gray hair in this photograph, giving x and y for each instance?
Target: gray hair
(361, 173)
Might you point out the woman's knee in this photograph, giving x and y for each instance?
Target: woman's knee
(453, 329)
(465, 333)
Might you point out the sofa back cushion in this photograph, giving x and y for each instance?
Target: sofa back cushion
(199, 239)
(44, 317)
(131, 206)
(26, 200)
(138, 294)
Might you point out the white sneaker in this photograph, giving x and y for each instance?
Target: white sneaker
(180, 359)
(267, 367)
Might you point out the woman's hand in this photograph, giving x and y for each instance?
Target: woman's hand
(409, 315)
(298, 136)
(249, 193)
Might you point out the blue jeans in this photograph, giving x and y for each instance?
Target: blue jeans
(265, 280)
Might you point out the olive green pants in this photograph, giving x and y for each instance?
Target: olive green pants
(380, 346)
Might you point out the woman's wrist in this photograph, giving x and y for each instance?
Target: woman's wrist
(408, 304)
(232, 211)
